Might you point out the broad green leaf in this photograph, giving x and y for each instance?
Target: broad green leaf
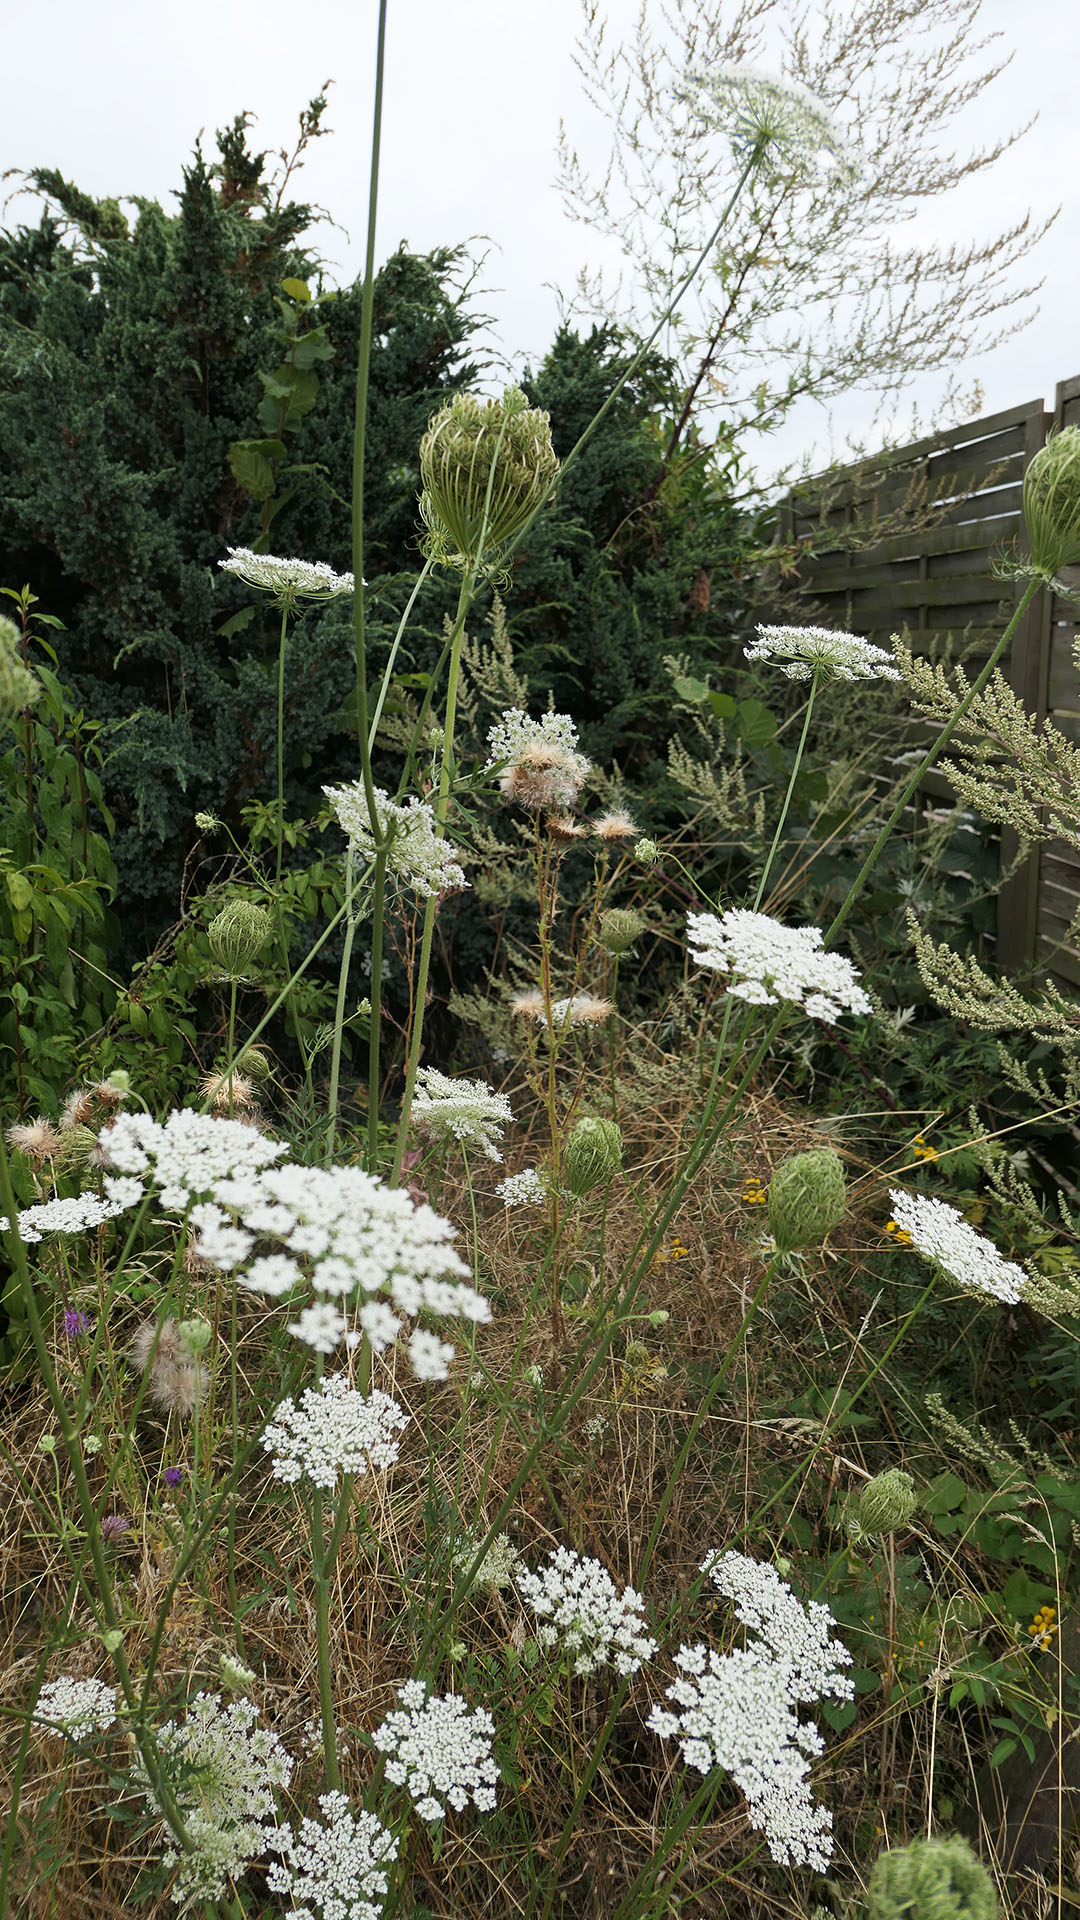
(756, 723)
(251, 470)
(297, 290)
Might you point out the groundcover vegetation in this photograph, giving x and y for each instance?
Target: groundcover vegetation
(539, 1322)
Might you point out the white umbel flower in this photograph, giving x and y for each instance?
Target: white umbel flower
(224, 1769)
(524, 1189)
(771, 963)
(738, 1710)
(439, 1751)
(788, 127)
(584, 1615)
(541, 766)
(334, 1869)
(188, 1153)
(941, 1233)
(823, 653)
(334, 1430)
(76, 1215)
(287, 580)
(467, 1111)
(76, 1708)
(418, 858)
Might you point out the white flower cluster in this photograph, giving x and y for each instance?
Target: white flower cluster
(738, 1710)
(462, 1110)
(509, 737)
(498, 1567)
(334, 1430)
(584, 1613)
(942, 1234)
(418, 857)
(189, 1153)
(438, 1748)
(223, 1769)
(542, 768)
(77, 1708)
(78, 1214)
(334, 1869)
(525, 1189)
(780, 120)
(287, 579)
(822, 651)
(773, 963)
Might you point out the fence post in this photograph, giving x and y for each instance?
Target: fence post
(1027, 671)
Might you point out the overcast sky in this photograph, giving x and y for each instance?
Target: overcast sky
(113, 94)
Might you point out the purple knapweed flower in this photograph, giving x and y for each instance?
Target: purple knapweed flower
(76, 1324)
(173, 1476)
(113, 1525)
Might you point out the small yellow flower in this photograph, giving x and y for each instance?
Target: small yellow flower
(1043, 1628)
(898, 1233)
(754, 1193)
(920, 1149)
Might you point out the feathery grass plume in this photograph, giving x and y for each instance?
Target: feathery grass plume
(592, 1155)
(237, 934)
(177, 1375)
(1052, 503)
(460, 454)
(20, 688)
(930, 1880)
(886, 1503)
(807, 1198)
(619, 929)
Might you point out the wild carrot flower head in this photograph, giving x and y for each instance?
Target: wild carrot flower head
(942, 1234)
(76, 1708)
(77, 1214)
(543, 770)
(287, 581)
(333, 1430)
(583, 1614)
(335, 1867)
(418, 858)
(439, 1751)
(779, 122)
(770, 963)
(463, 1110)
(223, 1768)
(823, 654)
(524, 1189)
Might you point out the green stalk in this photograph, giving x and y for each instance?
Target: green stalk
(280, 748)
(339, 1010)
(375, 1025)
(759, 895)
(363, 366)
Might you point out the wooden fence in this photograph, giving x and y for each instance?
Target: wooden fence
(867, 572)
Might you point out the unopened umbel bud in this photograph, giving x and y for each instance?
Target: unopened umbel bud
(619, 928)
(194, 1336)
(19, 688)
(887, 1502)
(469, 443)
(1052, 503)
(930, 1880)
(237, 934)
(807, 1197)
(592, 1155)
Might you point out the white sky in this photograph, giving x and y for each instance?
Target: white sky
(114, 92)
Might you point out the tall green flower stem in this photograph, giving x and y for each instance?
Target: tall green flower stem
(800, 750)
(351, 920)
(285, 605)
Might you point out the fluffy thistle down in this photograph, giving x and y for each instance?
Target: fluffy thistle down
(335, 1867)
(770, 963)
(223, 1769)
(541, 767)
(738, 1710)
(584, 1616)
(334, 1430)
(178, 1377)
(779, 123)
(418, 859)
(76, 1708)
(942, 1234)
(439, 1751)
(472, 445)
(821, 653)
(38, 1139)
(287, 581)
(467, 1111)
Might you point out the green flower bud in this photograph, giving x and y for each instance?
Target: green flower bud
(235, 1675)
(207, 822)
(659, 1317)
(592, 1155)
(120, 1080)
(19, 688)
(637, 1357)
(647, 852)
(1052, 503)
(930, 1880)
(112, 1639)
(79, 1144)
(194, 1336)
(807, 1197)
(887, 1502)
(469, 442)
(619, 928)
(237, 934)
(253, 1062)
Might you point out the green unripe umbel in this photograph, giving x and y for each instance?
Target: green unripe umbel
(255, 1063)
(194, 1336)
(619, 928)
(887, 1502)
(458, 454)
(807, 1197)
(236, 935)
(1052, 503)
(592, 1155)
(930, 1880)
